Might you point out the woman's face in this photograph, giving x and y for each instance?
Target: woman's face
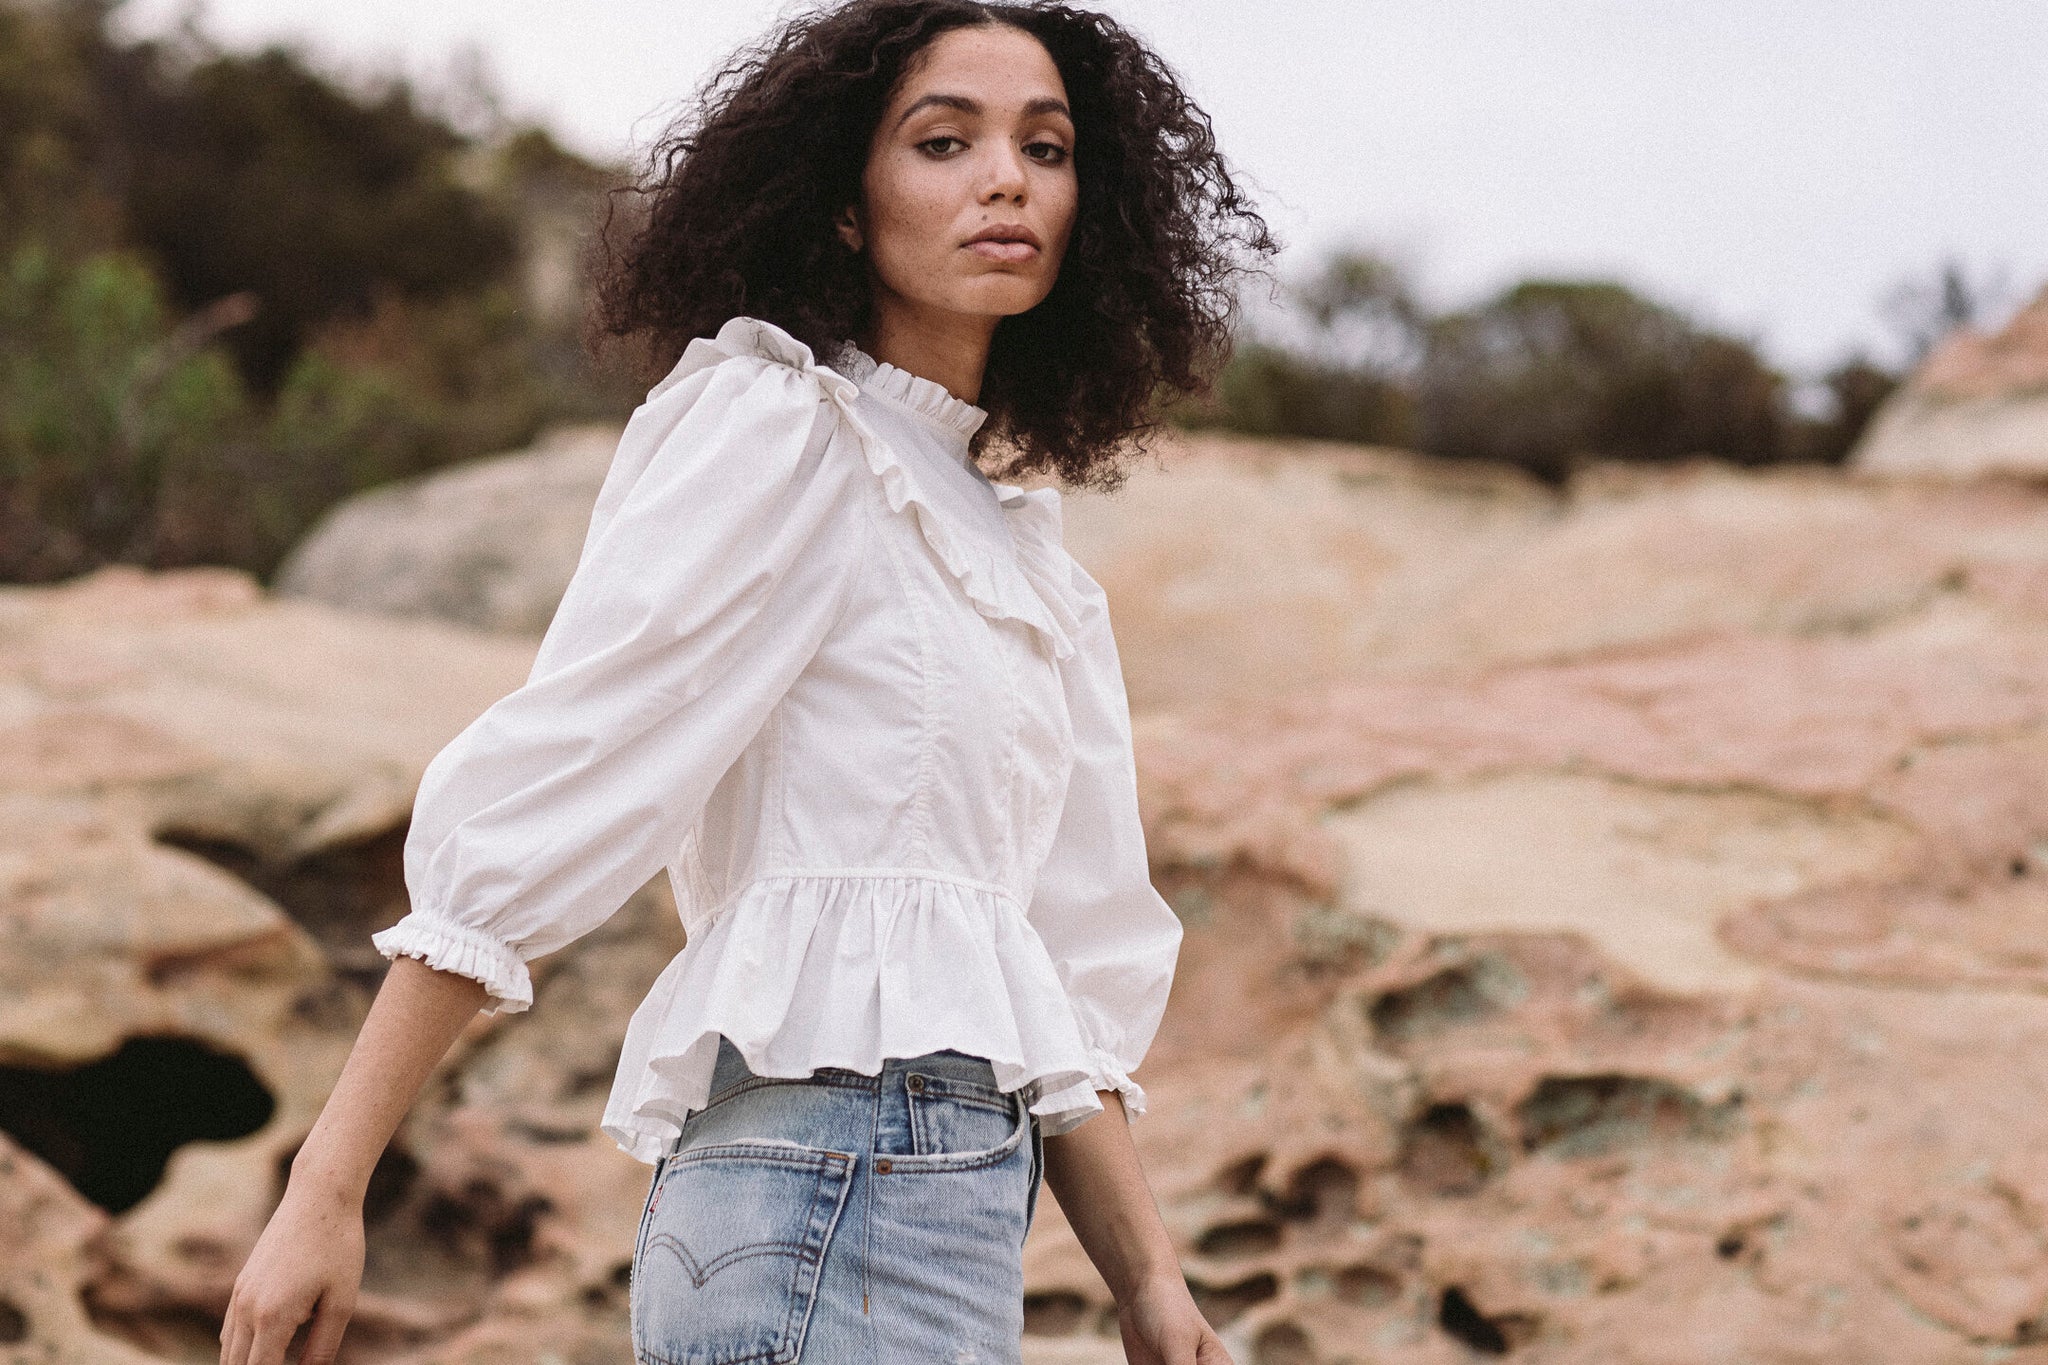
(975, 136)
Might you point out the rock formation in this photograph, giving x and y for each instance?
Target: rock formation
(1617, 932)
(489, 543)
(1977, 405)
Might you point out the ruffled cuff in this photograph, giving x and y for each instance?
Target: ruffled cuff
(1065, 1110)
(466, 951)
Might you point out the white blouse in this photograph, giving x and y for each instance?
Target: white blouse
(866, 710)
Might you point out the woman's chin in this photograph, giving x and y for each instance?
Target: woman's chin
(1000, 297)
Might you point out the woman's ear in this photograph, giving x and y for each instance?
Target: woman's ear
(848, 224)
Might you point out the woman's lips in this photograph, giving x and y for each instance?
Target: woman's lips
(1003, 251)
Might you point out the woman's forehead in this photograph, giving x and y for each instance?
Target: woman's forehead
(986, 70)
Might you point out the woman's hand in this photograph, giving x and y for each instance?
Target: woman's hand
(307, 1263)
(1162, 1326)
(309, 1260)
(1092, 1169)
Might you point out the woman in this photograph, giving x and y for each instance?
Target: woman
(855, 697)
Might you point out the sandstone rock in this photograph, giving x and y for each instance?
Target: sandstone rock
(1703, 978)
(1977, 405)
(1238, 569)
(488, 543)
(1243, 570)
(1613, 926)
(203, 793)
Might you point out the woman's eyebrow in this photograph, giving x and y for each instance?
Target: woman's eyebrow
(1044, 104)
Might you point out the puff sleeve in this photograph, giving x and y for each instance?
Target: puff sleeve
(1113, 938)
(720, 552)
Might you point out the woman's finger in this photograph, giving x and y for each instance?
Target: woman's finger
(235, 1336)
(323, 1341)
(272, 1336)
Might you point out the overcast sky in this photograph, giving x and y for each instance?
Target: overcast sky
(1772, 166)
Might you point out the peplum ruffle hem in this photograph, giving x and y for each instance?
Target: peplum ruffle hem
(846, 968)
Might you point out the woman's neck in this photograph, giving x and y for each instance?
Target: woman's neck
(950, 349)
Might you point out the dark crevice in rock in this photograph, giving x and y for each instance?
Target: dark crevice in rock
(547, 1134)
(110, 1126)
(1056, 1314)
(1283, 1343)
(163, 1331)
(1457, 1316)
(1245, 1237)
(1464, 994)
(1366, 1286)
(1241, 1176)
(1448, 1151)
(1221, 1304)
(1577, 1116)
(479, 1224)
(1323, 1191)
(339, 895)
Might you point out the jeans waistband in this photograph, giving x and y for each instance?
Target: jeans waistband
(732, 1068)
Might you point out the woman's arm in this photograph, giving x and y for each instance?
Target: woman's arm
(415, 1018)
(728, 533)
(1093, 1171)
(309, 1260)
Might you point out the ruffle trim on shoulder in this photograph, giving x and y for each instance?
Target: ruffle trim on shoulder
(998, 586)
(1026, 589)
(458, 948)
(1036, 529)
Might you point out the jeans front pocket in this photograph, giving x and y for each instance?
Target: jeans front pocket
(1037, 1171)
(958, 1125)
(734, 1239)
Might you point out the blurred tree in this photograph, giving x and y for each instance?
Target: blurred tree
(237, 291)
(1365, 313)
(108, 414)
(1921, 310)
(262, 175)
(1551, 372)
(1856, 387)
(1350, 381)
(1545, 375)
(1269, 391)
(50, 138)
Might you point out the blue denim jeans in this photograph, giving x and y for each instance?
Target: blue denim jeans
(841, 1218)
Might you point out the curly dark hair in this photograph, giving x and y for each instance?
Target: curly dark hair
(739, 196)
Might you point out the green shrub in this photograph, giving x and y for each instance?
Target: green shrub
(1551, 372)
(237, 291)
(1545, 375)
(107, 413)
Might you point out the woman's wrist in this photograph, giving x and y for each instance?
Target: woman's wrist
(1093, 1171)
(1154, 1277)
(327, 1185)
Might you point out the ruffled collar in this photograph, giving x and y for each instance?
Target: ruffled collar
(1031, 581)
(954, 420)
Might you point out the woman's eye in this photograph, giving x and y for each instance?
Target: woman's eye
(943, 137)
(1059, 153)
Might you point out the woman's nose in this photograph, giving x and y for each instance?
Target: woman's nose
(1006, 175)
